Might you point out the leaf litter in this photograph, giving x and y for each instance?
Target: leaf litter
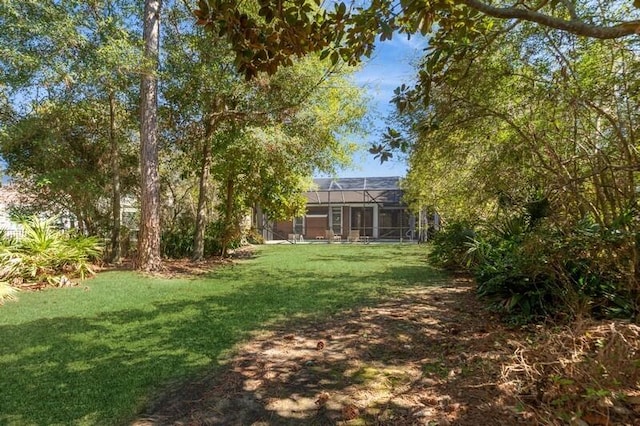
(433, 356)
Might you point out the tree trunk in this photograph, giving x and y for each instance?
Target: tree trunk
(228, 218)
(115, 177)
(149, 237)
(203, 198)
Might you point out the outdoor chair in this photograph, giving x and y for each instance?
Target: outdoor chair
(329, 235)
(354, 236)
(295, 238)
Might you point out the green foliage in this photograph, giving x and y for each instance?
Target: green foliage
(248, 142)
(58, 157)
(449, 247)
(530, 270)
(288, 29)
(532, 132)
(511, 272)
(595, 261)
(7, 292)
(45, 254)
(177, 242)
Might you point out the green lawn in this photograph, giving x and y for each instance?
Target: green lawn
(95, 354)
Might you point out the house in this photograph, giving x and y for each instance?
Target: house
(350, 209)
(9, 197)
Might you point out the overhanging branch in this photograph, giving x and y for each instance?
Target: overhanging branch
(573, 26)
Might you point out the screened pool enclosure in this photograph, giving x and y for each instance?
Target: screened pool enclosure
(350, 209)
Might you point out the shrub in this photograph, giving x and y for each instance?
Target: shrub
(82, 251)
(512, 273)
(213, 239)
(7, 292)
(531, 271)
(178, 242)
(449, 246)
(44, 254)
(254, 237)
(599, 264)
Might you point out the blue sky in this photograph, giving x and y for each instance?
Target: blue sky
(389, 67)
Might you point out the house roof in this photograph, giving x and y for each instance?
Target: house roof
(357, 184)
(381, 190)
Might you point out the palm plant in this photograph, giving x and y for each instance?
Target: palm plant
(7, 292)
(45, 253)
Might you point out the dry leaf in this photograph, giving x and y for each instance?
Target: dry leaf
(322, 399)
(596, 420)
(350, 412)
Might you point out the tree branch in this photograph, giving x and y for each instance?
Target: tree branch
(575, 27)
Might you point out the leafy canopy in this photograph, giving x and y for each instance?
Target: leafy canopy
(286, 29)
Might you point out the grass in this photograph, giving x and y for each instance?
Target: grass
(96, 354)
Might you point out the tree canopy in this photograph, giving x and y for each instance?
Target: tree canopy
(70, 118)
(286, 29)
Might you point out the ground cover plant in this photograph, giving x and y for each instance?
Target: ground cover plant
(94, 354)
(45, 255)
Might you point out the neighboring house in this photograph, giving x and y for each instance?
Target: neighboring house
(352, 209)
(11, 197)
(8, 198)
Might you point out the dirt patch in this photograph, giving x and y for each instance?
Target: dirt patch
(434, 356)
(171, 268)
(180, 268)
(431, 357)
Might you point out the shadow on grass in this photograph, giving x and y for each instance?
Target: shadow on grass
(101, 368)
(429, 357)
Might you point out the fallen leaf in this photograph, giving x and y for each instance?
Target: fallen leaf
(322, 399)
(350, 412)
(596, 419)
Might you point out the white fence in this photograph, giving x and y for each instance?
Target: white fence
(12, 233)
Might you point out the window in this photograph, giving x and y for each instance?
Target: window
(298, 225)
(336, 220)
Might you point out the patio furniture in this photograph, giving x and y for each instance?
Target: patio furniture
(330, 235)
(294, 238)
(354, 236)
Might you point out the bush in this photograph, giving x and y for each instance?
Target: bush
(44, 254)
(254, 237)
(599, 265)
(178, 242)
(449, 246)
(512, 273)
(531, 271)
(213, 239)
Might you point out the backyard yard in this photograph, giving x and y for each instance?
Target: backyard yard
(96, 353)
(290, 335)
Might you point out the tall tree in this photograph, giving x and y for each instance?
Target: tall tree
(149, 258)
(225, 123)
(79, 57)
(201, 83)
